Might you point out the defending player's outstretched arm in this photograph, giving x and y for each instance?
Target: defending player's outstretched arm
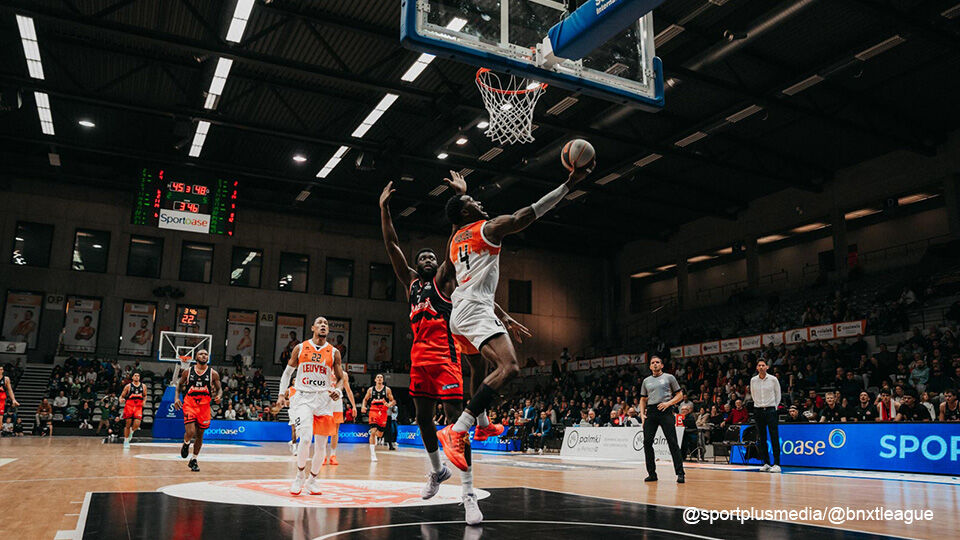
(391, 241)
(499, 227)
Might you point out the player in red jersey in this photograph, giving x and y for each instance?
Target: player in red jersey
(6, 390)
(200, 384)
(381, 399)
(133, 394)
(435, 371)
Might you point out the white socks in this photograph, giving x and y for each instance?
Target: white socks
(319, 452)
(303, 451)
(435, 463)
(466, 480)
(483, 420)
(465, 422)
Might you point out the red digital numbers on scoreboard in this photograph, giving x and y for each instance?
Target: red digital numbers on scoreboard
(189, 316)
(184, 206)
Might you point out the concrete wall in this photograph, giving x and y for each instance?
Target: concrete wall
(562, 315)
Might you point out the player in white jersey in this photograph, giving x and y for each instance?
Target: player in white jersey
(317, 365)
(475, 254)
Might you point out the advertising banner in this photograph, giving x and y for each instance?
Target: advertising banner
(691, 350)
(773, 338)
(730, 345)
(623, 359)
(851, 329)
(241, 333)
(613, 443)
(797, 335)
(710, 347)
(584, 364)
(609, 361)
(81, 326)
(676, 352)
(21, 317)
(289, 333)
(596, 362)
(379, 343)
(750, 343)
(339, 336)
(897, 447)
(824, 331)
(136, 328)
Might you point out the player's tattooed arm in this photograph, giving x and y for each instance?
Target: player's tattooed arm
(392, 242)
(217, 388)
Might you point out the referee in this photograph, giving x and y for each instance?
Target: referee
(658, 394)
(765, 390)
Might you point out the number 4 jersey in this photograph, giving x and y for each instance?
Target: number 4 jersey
(477, 263)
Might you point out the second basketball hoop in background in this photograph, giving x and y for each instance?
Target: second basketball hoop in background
(509, 101)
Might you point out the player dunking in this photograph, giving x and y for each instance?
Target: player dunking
(317, 364)
(200, 384)
(381, 399)
(475, 254)
(6, 390)
(133, 393)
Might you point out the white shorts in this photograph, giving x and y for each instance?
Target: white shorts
(475, 321)
(305, 405)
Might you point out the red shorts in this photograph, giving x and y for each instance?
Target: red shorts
(378, 416)
(437, 381)
(3, 403)
(197, 409)
(133, 410)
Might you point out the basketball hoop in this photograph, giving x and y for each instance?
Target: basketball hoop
(510, 103)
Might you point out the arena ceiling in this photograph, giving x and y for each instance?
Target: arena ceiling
(760, 96)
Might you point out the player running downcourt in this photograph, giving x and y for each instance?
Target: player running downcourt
(133, 393)
(199, 384)
(381, 399)
(317, 365)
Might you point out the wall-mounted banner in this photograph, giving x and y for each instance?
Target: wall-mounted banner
(797, 335)
(584, 364)
(773, 338)
(379, 343)
(54, 302)
(691, 350)
(339, 336)
(241, 333)
(136, 328)
(81, 326)
(21, 317)
(824, 331)
(289, 334)
(356, 368)
(638, 358)
(730, 345)
(609, 361)
(267, 319)
(596, 363)
(749, 343)
(623, 359)
(676, 352)
(851, 329)
(192, 319)
(710, 347)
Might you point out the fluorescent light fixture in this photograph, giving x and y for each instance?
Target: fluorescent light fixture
(18, 239)
(641, 275)
(533, 85)
(97, 246)
(951, 13)
(407, 211)
(483, 124)
(218, 83)
(456, 24)
(299, 158)
(333, 161)
(462, 141)
(199, 138)
(803, 85)
(562, 105)
(465, 172)
(725, 251)
(575, 195)
(374, 115)
(809, 228)
(303, 195)
(863, 212)
(31, 48)
(879, 48)
(666, 35)
(87, 123)
(424, 59)
(443, 155)
(647, 160)
(690, 139)
(608, 178)
(506, 106)
(491, 153)
(749, 111)
(666, 267)
(700, 258)
(438, 190)
(239, 21)
(770, 238)
(43, 111)
(915, 198)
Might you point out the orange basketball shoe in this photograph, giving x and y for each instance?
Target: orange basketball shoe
(453, 443)
(333, 461)
(491, 430)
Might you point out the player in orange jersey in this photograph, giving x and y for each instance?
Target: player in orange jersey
(200, 384)
(337, 419)
(475, 254)
(132, 396)
(317, 365)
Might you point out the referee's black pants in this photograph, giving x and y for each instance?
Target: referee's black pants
(668, 421)
(767, 420)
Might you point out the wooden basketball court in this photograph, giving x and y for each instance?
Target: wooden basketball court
(77, 487)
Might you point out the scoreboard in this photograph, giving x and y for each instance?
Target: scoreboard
(191, 202)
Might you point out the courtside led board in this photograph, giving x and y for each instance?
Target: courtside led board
(515, 37)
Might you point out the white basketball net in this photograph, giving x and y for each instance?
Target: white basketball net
(510, 102)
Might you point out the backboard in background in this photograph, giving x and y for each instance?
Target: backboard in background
(183, 346)
(504, 35)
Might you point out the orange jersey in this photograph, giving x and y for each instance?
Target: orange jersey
(477, 263)
(315, 369)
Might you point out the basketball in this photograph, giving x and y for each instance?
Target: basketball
(576, 154)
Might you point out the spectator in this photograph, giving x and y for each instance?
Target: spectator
(44, 413)
(60, 403)
(850, 387)
(738, 415)
(631, 420)
(541, 431)
(832, 412)
(911, 411)
(864, 411)
(886, 407)
(18, 427)
(925, 403)
(230, 413)
(794, 417)
(949, 408)
(919, 375)
(7, 429)
(690, 433)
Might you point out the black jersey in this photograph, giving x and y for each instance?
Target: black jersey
(378, 397)
(199, 385)
(430, 322)
(865, 414)
(951, 416)
(137, 393)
